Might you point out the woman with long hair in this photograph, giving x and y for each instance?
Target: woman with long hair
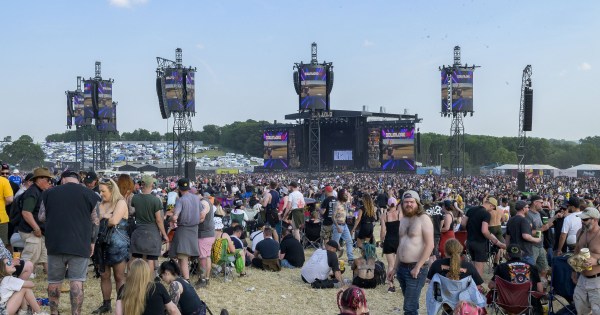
(140, 295)
(17, 294)
(366, 217)
(447, 226)
(112, 247)
(126, 187)
(452, 266)
(389, 234)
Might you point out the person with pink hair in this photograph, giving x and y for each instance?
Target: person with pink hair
(352, 301)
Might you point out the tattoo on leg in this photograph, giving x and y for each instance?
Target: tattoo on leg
(76, 297)
(54, 297)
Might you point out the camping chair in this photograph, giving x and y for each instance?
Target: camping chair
(444, 294)
(513, 298)
(561, 286)
(239, 218)
(461, 236)
(311, 237)
(225, 265)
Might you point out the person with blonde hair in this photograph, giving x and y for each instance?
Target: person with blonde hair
(112, 247)
(452, 266)
(140, 295)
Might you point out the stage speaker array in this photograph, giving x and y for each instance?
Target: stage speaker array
(190, 170)
(521, 181)
(528, 108)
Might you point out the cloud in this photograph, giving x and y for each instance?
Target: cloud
(584, 66)
(126, 3)
(200, 46)
(368, 43)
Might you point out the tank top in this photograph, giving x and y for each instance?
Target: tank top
(392, 229)
(207, 227)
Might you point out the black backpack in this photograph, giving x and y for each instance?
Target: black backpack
(380, 272)
(16, 207)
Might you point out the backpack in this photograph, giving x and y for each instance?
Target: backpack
(219, 250)
(272, 216)
(380, 272)
(15, 217)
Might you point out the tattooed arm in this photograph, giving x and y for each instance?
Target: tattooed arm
(175, 290)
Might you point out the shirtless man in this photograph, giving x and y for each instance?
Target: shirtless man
(495, 227)
(587, 291)
(416, 244)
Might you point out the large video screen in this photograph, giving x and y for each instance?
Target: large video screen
(275, 149)
(398, 149)
(88, 103)
(313, 87)
(190, 87)
(107, 125)
(174, 89)
(105, 104)
(78, 109)
(374, 149)
(462, 90)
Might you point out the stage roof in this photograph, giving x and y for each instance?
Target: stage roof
(527, 167)
(355, 113)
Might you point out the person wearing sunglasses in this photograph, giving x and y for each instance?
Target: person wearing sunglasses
(587, 290)
(31, 229)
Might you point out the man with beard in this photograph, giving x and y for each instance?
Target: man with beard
(587, 291)
(414, 249)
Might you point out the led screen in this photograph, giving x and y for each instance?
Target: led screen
(190, 87)
(462, 90)
(275, 149)
(78, 109)
(313, 87)
(398, 149)
(105, 104)
(374, 150)
(174, 90)
(342, 155)
(88, 103)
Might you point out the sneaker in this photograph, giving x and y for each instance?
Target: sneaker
(103, 309)
(391, 289)
(201, 283)
(41, 313)
(32, 276)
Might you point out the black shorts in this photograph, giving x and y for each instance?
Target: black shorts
(478, 251)
(148, 257)
(19, 268)
(390, 246)
(364, 283)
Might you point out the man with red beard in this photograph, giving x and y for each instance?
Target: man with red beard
(414, 249)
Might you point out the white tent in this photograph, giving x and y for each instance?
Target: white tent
(527, 167)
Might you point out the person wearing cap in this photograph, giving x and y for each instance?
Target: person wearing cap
(91, 181)
(534, 216)
(322, 263)
(477, 222)
(519, 231)
(31, 229)
(389, 235)
(186, 217)
(71, 232)
(6, 198)
(328, 206)
(15, 177)
(149, 233)
(571, 226)
(587, 291)
(517, 270)
(414, 249)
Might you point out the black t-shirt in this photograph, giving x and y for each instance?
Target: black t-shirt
(156, 299)
(382, 200)
(332, 261)
(328, 204)
(558, 224)
(268, 248)
(294, 253)
(68, 219)
(515, 228)
(189, 301)
(477, 216)
(518, 271)
(467, 269)
(437, 216)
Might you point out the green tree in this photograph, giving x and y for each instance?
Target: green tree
(24, 153)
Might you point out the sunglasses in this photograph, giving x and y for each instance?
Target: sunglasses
(106, 181)
(585, 220)
(9, 263)
(5, 173)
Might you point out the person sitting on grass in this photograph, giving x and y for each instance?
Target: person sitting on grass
(16, 294)
(291, 251)
(322, 263)
(266, 254)
(364, 268)
(181, 292)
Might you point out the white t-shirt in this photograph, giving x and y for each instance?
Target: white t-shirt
(571, 226)
(256, 237)
(297, 200)
(171, 198)
(316, 267)
(8, 286)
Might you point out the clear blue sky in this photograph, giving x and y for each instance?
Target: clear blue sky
(385, 53)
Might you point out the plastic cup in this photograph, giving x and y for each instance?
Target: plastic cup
(544, 220)
(17, 255)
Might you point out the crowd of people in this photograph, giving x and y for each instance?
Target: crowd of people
(214, 224)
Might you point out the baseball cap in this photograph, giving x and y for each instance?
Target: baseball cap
(493, 201)
(30, 175)
(392, 201)
(333, 244)
(148, 180)
(65, 174)
(183, 184)
(573, 201)
(90, 177)
(15, 171)
(590, 213)
(514, 251)
(448, 204)
(520, 205)
(412, 194)
(328, 189)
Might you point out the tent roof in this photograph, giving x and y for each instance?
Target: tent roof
(528, 166)
(586, 167)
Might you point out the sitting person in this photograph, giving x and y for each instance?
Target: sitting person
(15, 293)
(240, 250)
(291, 251)
(352, 301)
(452, 266)
(182, 293)
(24, 269)
(266, 254)
(321, 263)
(516, 270)
(140, 295)
(364, 268)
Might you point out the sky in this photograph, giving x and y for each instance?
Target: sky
(385, 53)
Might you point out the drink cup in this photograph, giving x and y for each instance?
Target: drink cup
(544, 220)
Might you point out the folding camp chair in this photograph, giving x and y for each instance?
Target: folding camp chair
(513, 298)
(561, 286)
(225, 266)
(461, 236)
(312, 235)
(443, 294)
